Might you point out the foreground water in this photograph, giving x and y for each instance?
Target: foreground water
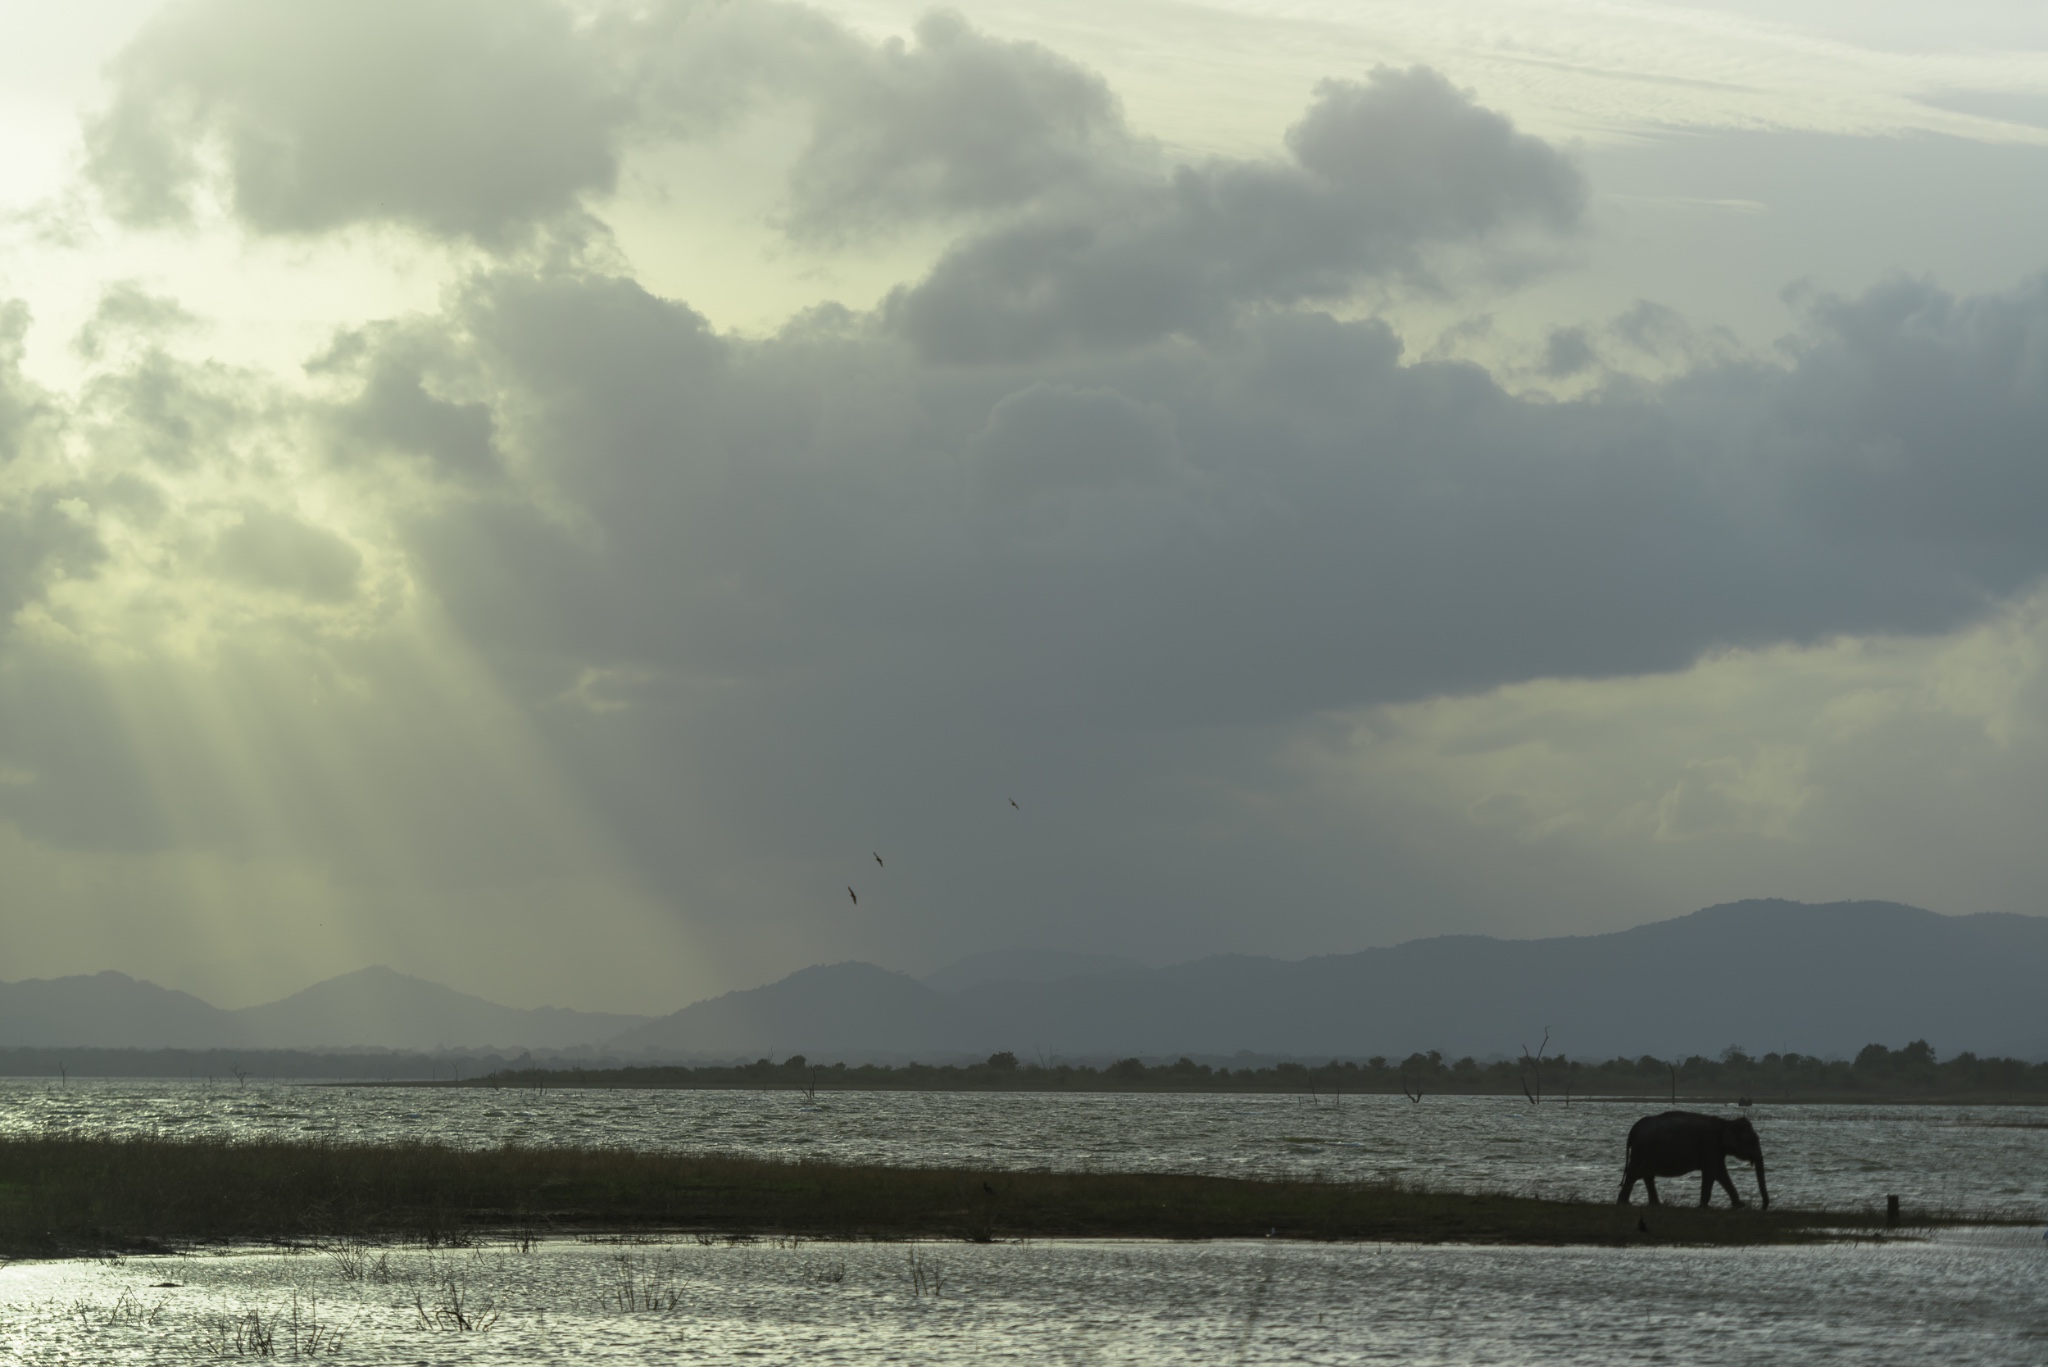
(1976, 1295)
(1940, 1158)
(1972, 1297)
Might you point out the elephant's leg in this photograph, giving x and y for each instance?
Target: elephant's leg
(1706, 1189)
(1727, 1185)
(1628, 1188)
(1650, 1186)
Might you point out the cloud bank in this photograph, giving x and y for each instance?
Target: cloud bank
(1128, 506)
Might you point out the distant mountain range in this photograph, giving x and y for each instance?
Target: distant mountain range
(1025, 966)
(1762, 975)
(371, 1008)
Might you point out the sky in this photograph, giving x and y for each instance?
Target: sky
(560, 498)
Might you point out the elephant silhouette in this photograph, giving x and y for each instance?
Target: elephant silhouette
(1679, 1142)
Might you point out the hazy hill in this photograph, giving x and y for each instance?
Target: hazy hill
(375, 1007)
(1766, 975)
(1024, 965)
(824, 1010)
(380, 1007)
(109, 1009)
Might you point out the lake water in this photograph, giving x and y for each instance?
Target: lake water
(1976, 1295)
(1981, 1159)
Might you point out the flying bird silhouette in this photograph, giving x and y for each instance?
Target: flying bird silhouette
(854, 895)
(878, 861)
(1013, 803)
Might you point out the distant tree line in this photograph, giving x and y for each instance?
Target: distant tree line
(1875, 1072)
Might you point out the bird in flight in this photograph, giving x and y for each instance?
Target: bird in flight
(854, 895)
(878, 861)
(1013, 803)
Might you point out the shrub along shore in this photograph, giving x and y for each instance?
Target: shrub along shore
(1875, 1074)
(73, 1195)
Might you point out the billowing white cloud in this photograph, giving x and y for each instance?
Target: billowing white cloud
(1382, 173)
(474, 117)
(485, 120)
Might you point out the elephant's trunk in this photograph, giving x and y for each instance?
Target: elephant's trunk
(1763, 1193)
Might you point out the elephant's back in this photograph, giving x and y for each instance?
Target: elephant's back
(1668, 1125)
(1649, 1125)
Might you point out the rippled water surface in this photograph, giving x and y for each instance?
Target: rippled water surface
(1967, 1296)
(1839, 1157)
(1974, 1298)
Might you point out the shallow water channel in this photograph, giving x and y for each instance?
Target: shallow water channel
(1972, 1295)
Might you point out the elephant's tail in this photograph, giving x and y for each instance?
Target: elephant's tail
(1628, 1169)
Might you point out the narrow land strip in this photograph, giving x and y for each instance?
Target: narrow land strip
(86, 1195)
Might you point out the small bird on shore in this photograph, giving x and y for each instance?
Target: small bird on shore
(854, 895)
(1642, 1225)
(987, 1188)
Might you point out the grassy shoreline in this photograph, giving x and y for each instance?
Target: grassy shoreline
(67, 1196)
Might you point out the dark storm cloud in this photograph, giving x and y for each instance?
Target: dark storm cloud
(959, 123)
(843, 586)
(277, 551)
(41, 538)
(1048, 439)
(128, 312)
(41, 533)
(1567, 352)
(1429, 161)
(1087, 535)
(396, 408)
(1925, 419)
(21, 407)
(1383, 172)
